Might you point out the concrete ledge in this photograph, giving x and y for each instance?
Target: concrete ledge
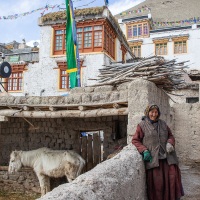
(121, 177)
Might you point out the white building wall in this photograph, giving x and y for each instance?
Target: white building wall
(44, 76)
(93, 63)
(193, 46)
(122, 26)
(148, 47)
(118, 51)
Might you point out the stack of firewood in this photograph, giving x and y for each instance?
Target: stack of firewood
(165, 74)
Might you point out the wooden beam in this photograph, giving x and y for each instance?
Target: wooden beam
(68, 106)
(5, 168)
(51, 108)
(116, 105)
(26, 108)
(82, 108)
(65, 113)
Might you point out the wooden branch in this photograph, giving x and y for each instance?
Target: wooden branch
(166, 74)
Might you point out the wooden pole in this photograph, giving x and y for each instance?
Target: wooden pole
(65, 113)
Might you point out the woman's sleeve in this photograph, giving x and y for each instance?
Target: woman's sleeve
(137, 139)
(171, 138)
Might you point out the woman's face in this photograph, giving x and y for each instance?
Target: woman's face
(153, 114)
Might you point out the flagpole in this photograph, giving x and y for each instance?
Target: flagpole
(106, 2)
(72, 53)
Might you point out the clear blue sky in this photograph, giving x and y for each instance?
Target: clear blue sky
(26, 27)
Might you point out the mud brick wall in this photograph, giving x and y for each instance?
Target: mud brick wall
(143, 93)
(62, 133)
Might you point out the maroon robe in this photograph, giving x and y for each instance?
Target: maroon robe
(163, 182)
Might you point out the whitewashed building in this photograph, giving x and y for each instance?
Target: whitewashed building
(166, 28)
(100, 39)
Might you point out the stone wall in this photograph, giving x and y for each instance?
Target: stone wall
(62, 133)
(121, 177)
(181, 95)
(17, 134)
(187, 132)
(183, 119)
(187, 136)
(24, 181)
(79, 95)
(140, 94)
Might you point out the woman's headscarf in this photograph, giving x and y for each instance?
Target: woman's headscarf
(151, 107)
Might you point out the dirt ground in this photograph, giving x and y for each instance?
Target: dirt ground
(191, 182)
(17, 196)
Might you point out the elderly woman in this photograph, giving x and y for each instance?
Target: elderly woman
(154, 140)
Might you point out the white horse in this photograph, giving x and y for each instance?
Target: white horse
(48, 163)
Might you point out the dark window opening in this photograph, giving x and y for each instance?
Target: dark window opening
(192, 99)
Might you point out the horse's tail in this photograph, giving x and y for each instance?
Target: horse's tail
(81, 165)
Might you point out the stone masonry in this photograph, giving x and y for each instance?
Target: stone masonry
(63, 133)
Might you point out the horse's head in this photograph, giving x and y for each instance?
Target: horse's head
(15, 163)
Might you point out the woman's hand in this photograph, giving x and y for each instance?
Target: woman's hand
(147, 156)
(169, 148)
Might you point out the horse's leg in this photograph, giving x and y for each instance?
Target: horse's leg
(41, 179)
(47, 185)
(69, 179)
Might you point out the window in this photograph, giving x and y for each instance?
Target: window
(79, 37)
(192, 99)
(137, 51)
(64, 82)
(137, 30)
(89, 38)
(14, 82)
(59, 40)
(130, 32)
(145, 29)
(98, 36)
(64, 79)
(180, 47)
(161, 49)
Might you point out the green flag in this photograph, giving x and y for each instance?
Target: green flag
(71, 45)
